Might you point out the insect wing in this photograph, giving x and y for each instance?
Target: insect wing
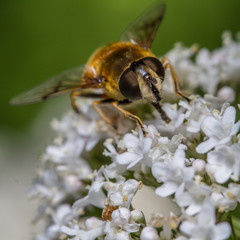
(143, 29)
(64, 82)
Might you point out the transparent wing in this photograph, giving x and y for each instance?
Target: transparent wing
(64, 82)
(143, 29)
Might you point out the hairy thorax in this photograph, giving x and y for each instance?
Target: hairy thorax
(110, 61)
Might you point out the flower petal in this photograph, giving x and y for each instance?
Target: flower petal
(127, 158)
(210, 125)
(229, 116)
(223, 174)
(179, 158)
(193, 208)
(147, 142)
(206, 146)
(235, 128)
(222, 231)
(187, 227)
(130, 141)
(166, 189)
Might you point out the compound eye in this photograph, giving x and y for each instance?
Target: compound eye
(155, 65)
(128, 85)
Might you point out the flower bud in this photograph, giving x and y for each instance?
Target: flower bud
(199, 165)
(149, 233)
(226, 94)
(138, 216)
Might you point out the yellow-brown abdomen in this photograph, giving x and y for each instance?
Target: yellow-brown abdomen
(110, 61)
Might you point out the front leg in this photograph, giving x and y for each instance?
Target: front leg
(115, 104)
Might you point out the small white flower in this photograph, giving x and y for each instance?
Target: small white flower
(219, 131)
(172, 174)
(193, 197)
(197, 111)
(88, 131)
(113, 233)
(61, 153)
(121, 194)
(114, 169)
(64, 125)
(49, 186)
(204, 227)
(80, 128)
(95, 196)
(225, 161)
(234, 191)
(168, 223)
(226, 198)
(137, 151)
(75, 166)
(78, 234)
(110, 150)
(165, 148)
(121, 225)
(206, 68)
(121, 216)
(62, 215)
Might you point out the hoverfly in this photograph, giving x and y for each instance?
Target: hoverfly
(125, 71)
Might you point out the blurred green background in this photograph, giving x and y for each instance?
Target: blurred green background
(41, 38)
(44, 37)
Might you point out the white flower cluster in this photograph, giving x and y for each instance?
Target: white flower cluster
(210, 69)
(194, 159)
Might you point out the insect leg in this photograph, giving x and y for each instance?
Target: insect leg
(73, 102)
(176, 82)
(100, 112)
(95, 103)
(129, 115)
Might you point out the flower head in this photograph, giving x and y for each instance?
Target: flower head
(137, 151)
(192, 160)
